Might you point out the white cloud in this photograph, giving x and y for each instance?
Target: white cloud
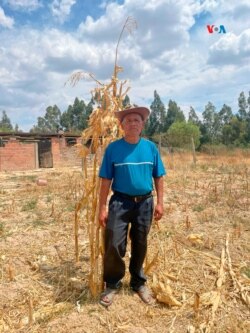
(28, 5)
(5, 21)
(164, 53)
(161, 25)
(61, 9)
(231, 49)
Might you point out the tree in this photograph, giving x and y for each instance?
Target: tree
(88, 110)
(5, 123)
(180, 134)
(242, 102)
(192, 117)
(157, 118)
(223, 118)
(75, 119)
(225, 114)
(126, 101)
(210, 128)
(234, 132)
(53, 118)
(50, 123)
(248, 119)
(174, 114)
(248, 102)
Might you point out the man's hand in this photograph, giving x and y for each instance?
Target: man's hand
(159, 206)
(103, 216)
(104, 190)
(158, 212)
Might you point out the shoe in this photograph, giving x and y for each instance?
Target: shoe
(145, 295)
(107, 297)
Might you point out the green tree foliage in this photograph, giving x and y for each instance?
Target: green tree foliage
(157, 118)
(193, 118)
(223, 118)
(126, 101)
(5, 123)
(236, 129)
(231, 131)
(210, 128)
(174, 114)
(75, 119)
(243, 107)
(180, 134)
(248, 119)
(225, 114)
(234, 133)
(248, 102)
(50, 123)
(223, 127)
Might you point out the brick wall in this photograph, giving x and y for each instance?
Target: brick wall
(63, 154)
(16, 155)
(19, 155)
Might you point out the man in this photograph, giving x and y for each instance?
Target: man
(129, 165)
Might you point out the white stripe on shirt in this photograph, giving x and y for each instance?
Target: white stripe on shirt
(130, 163)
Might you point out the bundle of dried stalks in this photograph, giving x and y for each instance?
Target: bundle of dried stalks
(102, 128)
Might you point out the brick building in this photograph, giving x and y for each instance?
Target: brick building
(27, 151)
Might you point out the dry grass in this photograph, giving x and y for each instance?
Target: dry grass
(198, 259)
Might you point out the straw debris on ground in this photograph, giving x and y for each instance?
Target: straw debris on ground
(198, 262)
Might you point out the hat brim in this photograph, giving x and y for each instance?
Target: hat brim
(144, 112)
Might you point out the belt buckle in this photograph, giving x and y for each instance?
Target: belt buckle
(138, 198)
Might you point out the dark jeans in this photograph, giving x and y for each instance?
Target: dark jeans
(123, 211)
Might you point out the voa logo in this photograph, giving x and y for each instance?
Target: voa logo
(213, 28)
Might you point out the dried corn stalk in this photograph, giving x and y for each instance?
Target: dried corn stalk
(102, 128)
(162, 290)
(243, 291)
(213, 298)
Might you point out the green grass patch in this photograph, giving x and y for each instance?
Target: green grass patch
(29, 205)
(246, 271)
(198, 208)
(1, 228)
(38, 222)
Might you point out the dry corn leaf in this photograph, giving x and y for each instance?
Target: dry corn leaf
(76, 284)
(150, 265)
(190, 329)
(209, 298)
(168, 299)
(45, 313)
(195, 238)
(164, 292)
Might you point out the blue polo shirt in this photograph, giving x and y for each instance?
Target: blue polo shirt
(132, 166)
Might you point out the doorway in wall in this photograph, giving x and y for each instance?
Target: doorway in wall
(45, 157)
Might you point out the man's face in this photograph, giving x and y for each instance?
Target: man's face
(132, 124)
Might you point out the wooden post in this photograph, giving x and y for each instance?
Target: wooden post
(159, 144)
(193, 151)
(76, 230)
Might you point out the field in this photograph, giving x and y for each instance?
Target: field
(198, 262)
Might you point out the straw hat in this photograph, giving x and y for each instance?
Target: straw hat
(144, 112)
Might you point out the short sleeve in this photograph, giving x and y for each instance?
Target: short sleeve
(159, 169)
(107, 169)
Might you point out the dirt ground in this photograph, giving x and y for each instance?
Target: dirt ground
(198, 254)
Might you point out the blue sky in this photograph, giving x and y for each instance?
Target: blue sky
(42, 42)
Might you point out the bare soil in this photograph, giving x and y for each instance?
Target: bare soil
(198, 253)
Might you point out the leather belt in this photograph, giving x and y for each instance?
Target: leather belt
(135, 198)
